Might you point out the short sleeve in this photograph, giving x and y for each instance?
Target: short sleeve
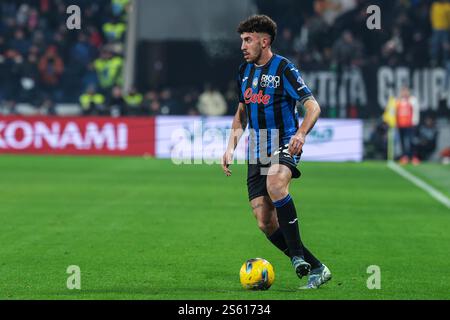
(294, 85)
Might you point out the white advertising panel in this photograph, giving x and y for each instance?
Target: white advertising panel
(334, 140)
(204, 139)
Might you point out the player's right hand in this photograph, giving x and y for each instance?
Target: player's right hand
(227, 159)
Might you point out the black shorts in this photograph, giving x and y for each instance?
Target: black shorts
(257, 173)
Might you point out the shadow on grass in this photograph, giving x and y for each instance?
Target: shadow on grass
(182, 293)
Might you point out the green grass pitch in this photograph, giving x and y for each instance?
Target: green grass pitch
(147, 229)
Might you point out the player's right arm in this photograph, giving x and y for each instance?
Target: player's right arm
(237, 130)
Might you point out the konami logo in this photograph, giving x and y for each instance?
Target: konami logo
(21, 135)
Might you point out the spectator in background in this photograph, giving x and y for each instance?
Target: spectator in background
(312, 41)
(109, 70)
(284, 45)
(445, 155)
(3, 71)
(168, 104)
(133, 100)
(92, 102)
(425, 139)
(154, 108)
(61, 39)
(32, 29)
(89, 78)
(376, 147)
(3, 46)
(22, 14)
(189, 103)
(408, 117)
(29, 79)
(119, 7)
(38, 39)
(345, 12)
(94, 37)
(82, 52)
(330, 10)
(447, 72)
(440, 23)
(393, 48)
(114, 30)
(416, 55)
(20, 43)
(13, 67)
(347, 50)
(117, 103)
(47, 107)
(150, 96)
(33, 19)
(51, 68)
(231, 97)
(211, 102)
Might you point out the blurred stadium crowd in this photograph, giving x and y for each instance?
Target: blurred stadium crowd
(42, 63)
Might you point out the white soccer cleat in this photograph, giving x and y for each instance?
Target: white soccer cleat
(318, 277)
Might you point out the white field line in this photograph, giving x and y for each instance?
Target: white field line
(439, 196)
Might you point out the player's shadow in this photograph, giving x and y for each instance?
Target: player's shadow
(163, 292)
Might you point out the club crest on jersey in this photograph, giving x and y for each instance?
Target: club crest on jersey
(270, 81)
(255, 82)
(259, 97)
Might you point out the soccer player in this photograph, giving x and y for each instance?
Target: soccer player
(269, 87)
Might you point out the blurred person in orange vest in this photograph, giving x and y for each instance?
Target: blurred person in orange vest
(408, 116)
(51, 68)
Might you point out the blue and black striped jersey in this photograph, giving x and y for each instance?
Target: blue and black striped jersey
(270, 93)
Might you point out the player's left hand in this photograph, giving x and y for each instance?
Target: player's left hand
(296, 144)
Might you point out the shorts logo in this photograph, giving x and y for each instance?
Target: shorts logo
(269, 81)
(284, 150)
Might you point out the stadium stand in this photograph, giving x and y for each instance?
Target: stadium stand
(41, 61)
(45, 61)
(47, 69)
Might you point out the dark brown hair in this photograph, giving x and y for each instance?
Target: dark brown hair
(259, 23)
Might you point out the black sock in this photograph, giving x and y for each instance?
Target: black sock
(278, 241)
(311, 259)
(287, 218)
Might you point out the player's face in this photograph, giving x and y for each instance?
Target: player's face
(252, 44)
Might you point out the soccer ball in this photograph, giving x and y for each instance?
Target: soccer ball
(257, 274)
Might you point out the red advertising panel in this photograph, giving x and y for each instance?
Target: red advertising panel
(77, 136)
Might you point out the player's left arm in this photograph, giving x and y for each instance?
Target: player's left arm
(296, 88)
(312, 113)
